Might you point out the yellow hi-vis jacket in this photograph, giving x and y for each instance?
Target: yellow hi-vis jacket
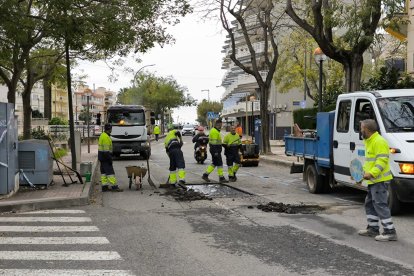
(157, 130)
(172, 140)
(377, 154)
(104, 147)
(214, 137)
(231, 140)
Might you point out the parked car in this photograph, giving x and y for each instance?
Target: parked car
(188, 129)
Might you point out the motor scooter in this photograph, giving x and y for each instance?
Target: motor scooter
(200, 153)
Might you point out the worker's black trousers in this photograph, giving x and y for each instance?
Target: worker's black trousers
(176, 159)
(215, 152)
(232, 156)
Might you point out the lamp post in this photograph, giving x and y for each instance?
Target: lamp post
(208, 93)
(320, 57)
(139, 70)
(87, 94)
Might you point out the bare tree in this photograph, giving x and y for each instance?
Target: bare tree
(255, 24)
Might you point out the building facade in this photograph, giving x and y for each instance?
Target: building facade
(241, 96)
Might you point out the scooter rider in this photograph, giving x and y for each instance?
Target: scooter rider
(173, 143)
(196, 138)
(215, 142)
(232, 144)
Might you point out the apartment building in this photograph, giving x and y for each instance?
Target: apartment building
(60, 102)
(99, 101)
(240, 99)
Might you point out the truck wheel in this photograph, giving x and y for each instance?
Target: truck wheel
(313, 180)
(393, 202)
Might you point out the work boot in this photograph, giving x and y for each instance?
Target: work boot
(205, 177)
(232, 178)
(222, 179)
(181, 181)
(387, 236)
(105, 188)
(116, 189)
(369, 232)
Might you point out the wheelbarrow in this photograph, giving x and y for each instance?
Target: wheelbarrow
(135, 172)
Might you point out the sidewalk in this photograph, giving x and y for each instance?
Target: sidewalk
(279, 157)
(56, 195)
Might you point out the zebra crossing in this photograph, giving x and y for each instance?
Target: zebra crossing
(55, 242)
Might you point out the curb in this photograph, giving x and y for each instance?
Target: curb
(55, 202)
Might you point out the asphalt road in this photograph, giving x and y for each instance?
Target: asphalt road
(156, 235)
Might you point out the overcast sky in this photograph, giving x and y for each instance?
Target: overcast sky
(194, 61)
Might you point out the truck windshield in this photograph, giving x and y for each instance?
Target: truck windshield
(119, 117)
(397, 113)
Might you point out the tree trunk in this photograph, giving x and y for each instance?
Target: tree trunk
(264, 116)
(353, 73)
(27, 110)
(47, 95)
(11, 94)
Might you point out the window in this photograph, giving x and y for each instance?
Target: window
(344, 114)
(363, 111)
(397, 113)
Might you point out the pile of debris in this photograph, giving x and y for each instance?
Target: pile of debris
(290, 208)
(181, 194)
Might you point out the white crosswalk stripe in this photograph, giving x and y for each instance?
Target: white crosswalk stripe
(54, 212)
(63, 272)
(48, 229)
(29, 247)
(45, 219)
(53, 240)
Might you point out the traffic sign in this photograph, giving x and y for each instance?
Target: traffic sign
(211, 115)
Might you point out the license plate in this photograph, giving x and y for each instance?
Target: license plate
(126, 150)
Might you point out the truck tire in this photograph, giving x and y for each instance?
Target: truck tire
(314, 181)
(393, 202)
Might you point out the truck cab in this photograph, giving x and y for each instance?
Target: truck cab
(393, 110)
(131, 126)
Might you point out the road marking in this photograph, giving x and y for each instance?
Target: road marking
(45, 219)
(48, 229)
(54, 212)
(60, 255)
(53, 240)
(64, 272)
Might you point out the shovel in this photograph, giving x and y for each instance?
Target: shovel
(149, 175)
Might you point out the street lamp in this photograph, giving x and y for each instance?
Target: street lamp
(88, 94)
(320, 57)
(208, 93)
(139, 70)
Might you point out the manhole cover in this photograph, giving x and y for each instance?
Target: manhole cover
(290, 208)
(217, 190)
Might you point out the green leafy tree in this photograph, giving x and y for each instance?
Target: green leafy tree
(91, 29)
(391, 78)
(57, 121)
(207, 106)
(37, 114)
(344, 30)
(83, 116)
(157, 93)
